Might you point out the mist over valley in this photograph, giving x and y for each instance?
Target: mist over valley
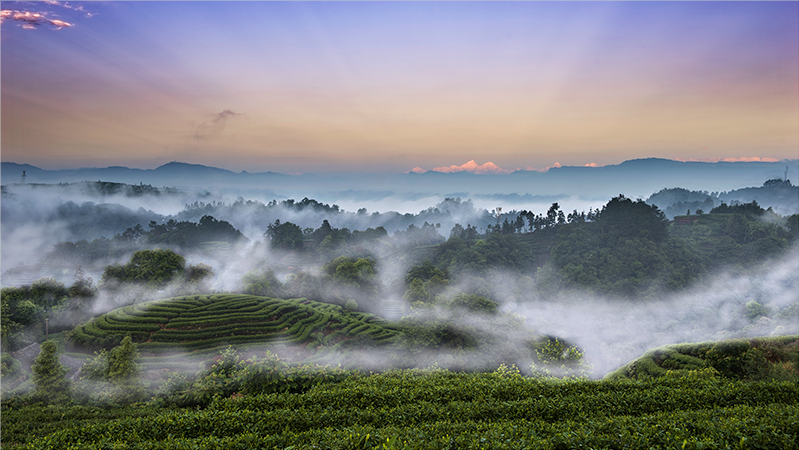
(547, 258)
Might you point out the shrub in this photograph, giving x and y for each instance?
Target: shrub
(350, 305)
(559, 359)
(9, 367)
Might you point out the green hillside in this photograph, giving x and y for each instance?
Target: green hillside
(206, 322)
(772, 358)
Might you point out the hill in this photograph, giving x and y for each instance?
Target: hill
(757, 359)
(634, 178)
(777, 194)
(203, 322)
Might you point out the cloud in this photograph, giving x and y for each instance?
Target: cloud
(546, 169)
(215, 125)
(738, 159)
(472, 167)
(30, 20)
(488, 167)
(68, 6)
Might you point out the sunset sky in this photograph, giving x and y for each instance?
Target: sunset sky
(392, 86)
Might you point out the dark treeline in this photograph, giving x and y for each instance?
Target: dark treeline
(627, 249)
(248, 214)
(184, 236)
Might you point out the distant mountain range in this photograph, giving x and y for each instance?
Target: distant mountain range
(634, 178)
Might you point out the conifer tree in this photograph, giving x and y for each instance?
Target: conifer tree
(49, 375)
(122, 365)
(121, 369)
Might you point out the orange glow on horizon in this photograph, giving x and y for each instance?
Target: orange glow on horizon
(473, 167)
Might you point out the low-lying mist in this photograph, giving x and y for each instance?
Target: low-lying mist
(36, 217)
(612, 332)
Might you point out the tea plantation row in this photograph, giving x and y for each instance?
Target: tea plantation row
(436, 409)
(203, 322)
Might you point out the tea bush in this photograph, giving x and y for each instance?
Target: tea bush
(432, 409)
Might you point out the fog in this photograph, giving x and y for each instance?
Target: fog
(612, 332)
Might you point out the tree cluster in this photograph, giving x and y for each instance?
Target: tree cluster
(154, 270)
(182, 235)
(342, 279)
(25, 309)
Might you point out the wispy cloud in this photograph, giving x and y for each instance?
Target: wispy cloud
(30, 20)
(488, 168)
(69, 6)
(472, 167)
(215, 125)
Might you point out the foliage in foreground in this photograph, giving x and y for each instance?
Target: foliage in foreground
(49, 375)
(442, 409)
(230, 376)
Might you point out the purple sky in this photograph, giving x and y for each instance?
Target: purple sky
(386, 87)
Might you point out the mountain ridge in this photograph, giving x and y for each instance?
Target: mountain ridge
(634, 178)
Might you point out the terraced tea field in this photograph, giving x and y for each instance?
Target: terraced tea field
(201, 322)
(756, 359)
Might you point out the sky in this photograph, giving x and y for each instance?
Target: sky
(389, 87)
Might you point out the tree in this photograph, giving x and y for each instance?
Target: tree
(83, 287)
(623, 218)
(748, 209)
(284, 236)
(49, 375)
(793, 226)
(353, 277)
(7, 326)
(470, 233)
(120, 367)
(17, 306)
(474, 304)
(425, 272)
(457, 231)
(263, 283)
(416, 292)
(195, 274)
(559, 359)
(152, 268)
(507, 227)
(552, 214)
(518, 225)
(47, 292)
